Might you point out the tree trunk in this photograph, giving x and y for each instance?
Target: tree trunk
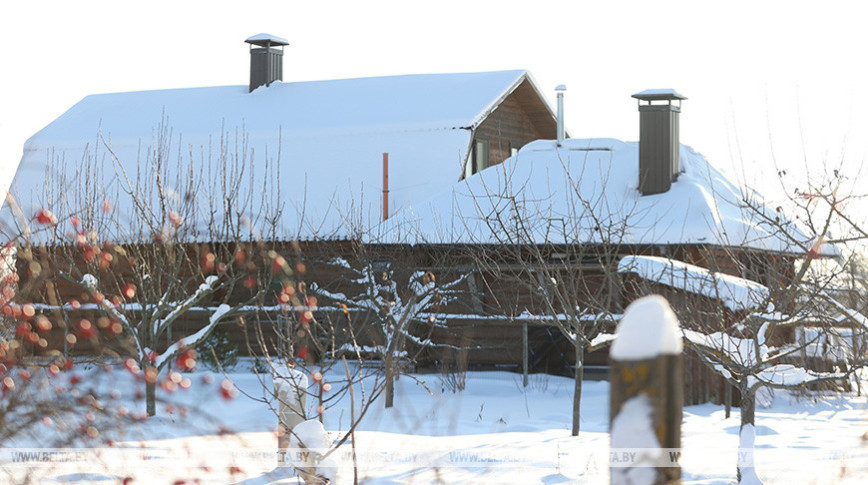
(524, 354)
(577, 394)
(390, 381)
(748, 405)
(745, 470)
(151, 398)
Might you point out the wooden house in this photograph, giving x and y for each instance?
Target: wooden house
(424, 172)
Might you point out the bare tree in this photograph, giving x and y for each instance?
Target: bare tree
(156, 258)
(398, 306)
(309, 360)
(780, 324)
(47, 400)
(565, 262)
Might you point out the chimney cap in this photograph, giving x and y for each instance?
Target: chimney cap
(659, 95)
(561, 87)
(264, 40)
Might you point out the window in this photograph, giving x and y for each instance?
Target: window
(513, 148)
(478, 158)
(757, 269)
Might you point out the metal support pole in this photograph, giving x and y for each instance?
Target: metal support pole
(561, 132)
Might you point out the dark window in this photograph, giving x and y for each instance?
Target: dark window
(513, 148)
(757, 269)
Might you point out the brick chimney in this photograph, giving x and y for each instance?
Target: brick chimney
(266, 59)
(659, 145)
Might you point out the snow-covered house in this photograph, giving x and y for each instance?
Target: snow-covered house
(608, 193)
(320, 162)
(473, 162)
(321, 143)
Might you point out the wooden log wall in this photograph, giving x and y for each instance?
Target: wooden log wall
(494, 342)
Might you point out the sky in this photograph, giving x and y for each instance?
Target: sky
(771, 85)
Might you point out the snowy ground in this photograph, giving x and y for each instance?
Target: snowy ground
(493, 432)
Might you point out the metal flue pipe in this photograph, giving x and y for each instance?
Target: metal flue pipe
(561, 132)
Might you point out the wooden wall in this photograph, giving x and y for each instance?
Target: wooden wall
(485, 324)
(521, 118)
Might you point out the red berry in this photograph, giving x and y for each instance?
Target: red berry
(86, 330)
(227, 390)
(46, 218)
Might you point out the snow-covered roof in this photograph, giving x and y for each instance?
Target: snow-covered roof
(734, 292)
(587, 191)
(323, 142)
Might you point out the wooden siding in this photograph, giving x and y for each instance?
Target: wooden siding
(482, 321)
(521, 118)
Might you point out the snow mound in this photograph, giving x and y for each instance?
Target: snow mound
(311, 435)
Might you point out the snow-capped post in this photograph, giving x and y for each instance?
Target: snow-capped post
(646, 395)
(290, 388)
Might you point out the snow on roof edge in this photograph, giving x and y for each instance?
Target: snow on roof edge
(734, 292)
(523, 74)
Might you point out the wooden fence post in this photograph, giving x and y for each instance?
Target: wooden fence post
(645, 407)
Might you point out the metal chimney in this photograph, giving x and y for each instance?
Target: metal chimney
(266, 59)
(659, 145)
(560, 90)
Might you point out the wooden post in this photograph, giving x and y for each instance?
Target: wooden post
(645, 407)
(524, 354)
(707, 377)
(290, 389)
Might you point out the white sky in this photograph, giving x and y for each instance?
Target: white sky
(787, 74)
